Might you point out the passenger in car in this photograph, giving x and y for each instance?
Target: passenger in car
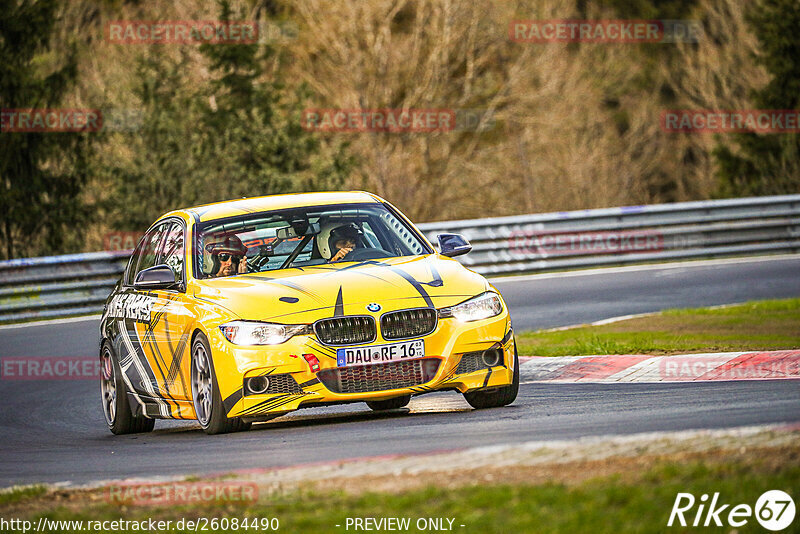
(343, 240)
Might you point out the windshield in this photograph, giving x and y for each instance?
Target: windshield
(300, 237)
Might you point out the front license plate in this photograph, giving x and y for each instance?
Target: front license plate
(393, 352)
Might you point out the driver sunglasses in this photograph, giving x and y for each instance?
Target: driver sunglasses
(225, 257)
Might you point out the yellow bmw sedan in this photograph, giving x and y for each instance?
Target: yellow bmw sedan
(242, 311)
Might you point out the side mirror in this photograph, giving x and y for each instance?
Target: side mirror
(452, 245)
(158, 277)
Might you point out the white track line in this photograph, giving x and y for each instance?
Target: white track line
(81, 319)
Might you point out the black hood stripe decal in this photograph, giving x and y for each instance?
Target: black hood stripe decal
(338, 310)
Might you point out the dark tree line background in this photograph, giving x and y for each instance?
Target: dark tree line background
(238, 135)
(236, 131)
(41, 175)
(769, 164)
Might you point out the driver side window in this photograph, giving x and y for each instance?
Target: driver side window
(146, 253)
(173, 251)
(130, 270)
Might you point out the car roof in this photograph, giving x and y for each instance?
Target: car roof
(231, 208)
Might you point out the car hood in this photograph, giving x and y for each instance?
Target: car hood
(305, 294)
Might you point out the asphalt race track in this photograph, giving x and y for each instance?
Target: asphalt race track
(53, 431)
(586, 296)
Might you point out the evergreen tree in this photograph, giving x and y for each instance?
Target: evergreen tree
(42, 174)
(768, 164)
(239, 134)
(157, 173)
(252, 127)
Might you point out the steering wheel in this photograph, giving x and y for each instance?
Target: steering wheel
(359, 254)
(255, 263)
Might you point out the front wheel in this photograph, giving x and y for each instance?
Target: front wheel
(114, 394)
(206, 397)
(389, 404)
(499, 397)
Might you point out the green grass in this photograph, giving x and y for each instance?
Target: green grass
(633, 502)
(763, 325)
(21, 493)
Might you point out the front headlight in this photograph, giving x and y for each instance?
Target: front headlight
(481, 307)
(255, 333)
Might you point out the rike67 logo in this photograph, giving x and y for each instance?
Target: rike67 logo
(774, 510)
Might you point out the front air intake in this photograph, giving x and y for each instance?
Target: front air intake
(346, 330)
(475, 361)
(408, 323)
(380, 377)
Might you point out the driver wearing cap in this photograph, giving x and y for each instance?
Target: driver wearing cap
(228, 256)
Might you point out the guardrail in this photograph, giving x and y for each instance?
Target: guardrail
(632, 234)
(58, 286)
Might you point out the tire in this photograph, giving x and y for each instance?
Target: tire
(499, 397)
(206, 397)
(114, 396)
(389, 404)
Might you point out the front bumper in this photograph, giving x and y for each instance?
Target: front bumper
(448, 343)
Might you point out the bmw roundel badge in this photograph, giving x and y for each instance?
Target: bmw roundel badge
(374, 307)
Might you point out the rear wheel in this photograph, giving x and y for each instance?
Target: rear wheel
(114, 395)
(389, 404)
(499, 397)
(205, 393)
